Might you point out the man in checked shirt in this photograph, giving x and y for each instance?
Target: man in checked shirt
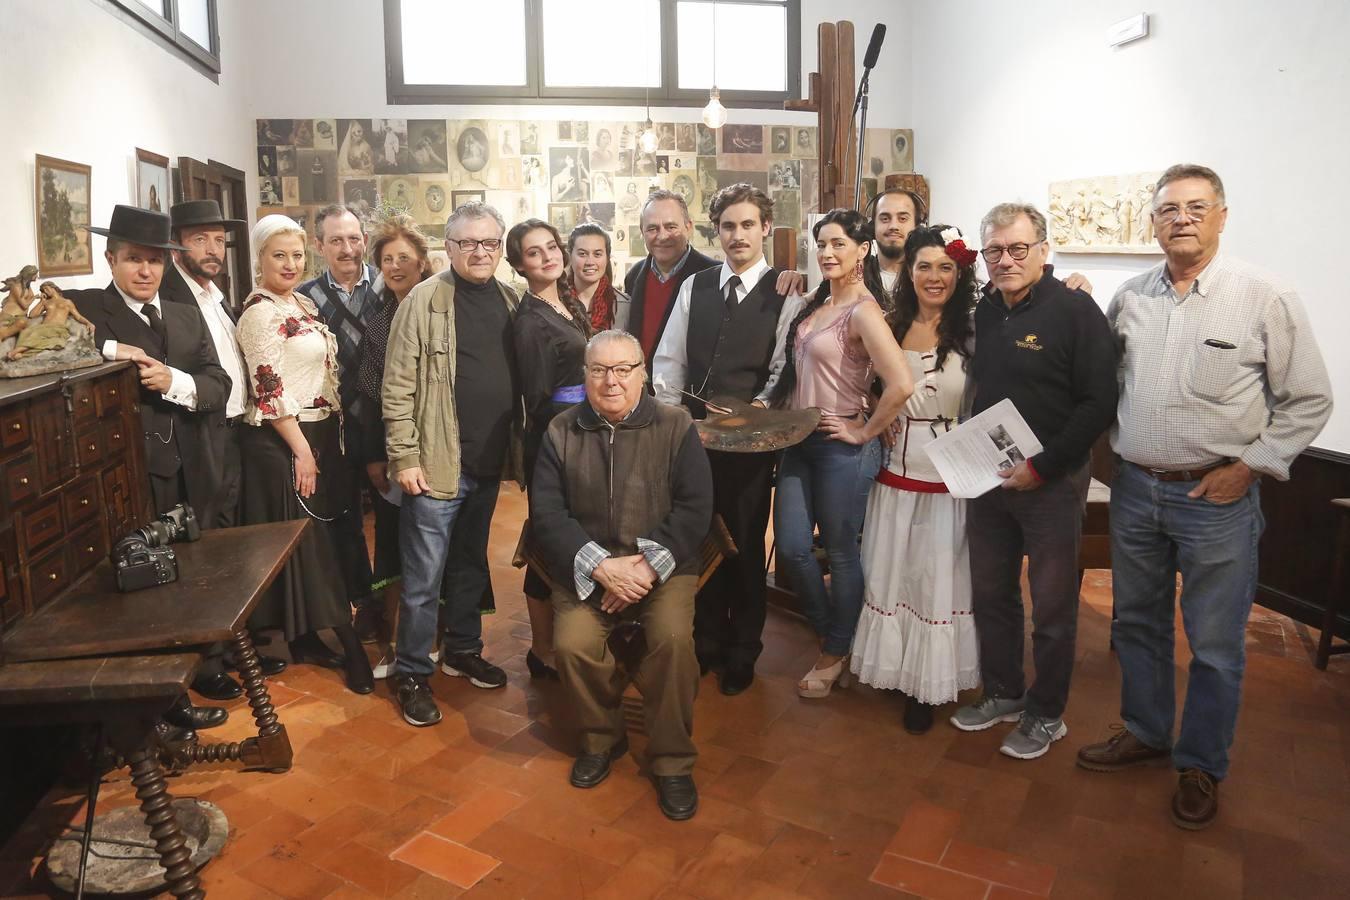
(1221, 382)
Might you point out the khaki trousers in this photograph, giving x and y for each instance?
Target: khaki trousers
(667, 677)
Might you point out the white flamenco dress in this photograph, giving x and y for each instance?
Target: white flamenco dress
(916, 633)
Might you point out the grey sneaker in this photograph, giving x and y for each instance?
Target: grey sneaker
(988, 712)
(1032, 737)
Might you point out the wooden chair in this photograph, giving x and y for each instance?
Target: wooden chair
(1338, 589)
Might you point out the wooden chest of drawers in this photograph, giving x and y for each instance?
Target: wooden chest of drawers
(72, 479)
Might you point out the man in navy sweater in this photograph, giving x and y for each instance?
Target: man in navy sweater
(1047, 348)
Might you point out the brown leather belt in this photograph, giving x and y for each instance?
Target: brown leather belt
(1182, 474)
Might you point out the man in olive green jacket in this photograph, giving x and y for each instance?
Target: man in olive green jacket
(451, 414)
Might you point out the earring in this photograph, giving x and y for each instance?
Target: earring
(857, 275)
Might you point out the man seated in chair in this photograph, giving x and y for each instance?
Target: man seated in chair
(622, 500)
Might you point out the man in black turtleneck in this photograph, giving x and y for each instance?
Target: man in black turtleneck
(450, 409)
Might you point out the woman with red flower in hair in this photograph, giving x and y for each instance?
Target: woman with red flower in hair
(916, 633)
(292, 454)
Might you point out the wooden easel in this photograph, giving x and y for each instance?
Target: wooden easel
(830, 96)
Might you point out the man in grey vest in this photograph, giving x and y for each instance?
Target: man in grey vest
(725, 337)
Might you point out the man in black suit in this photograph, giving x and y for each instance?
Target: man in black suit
(200, 229)
(182, 383)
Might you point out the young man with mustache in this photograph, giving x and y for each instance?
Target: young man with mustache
(725, 337)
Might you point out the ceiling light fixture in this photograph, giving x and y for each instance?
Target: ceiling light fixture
(648, 140)
(714, 114)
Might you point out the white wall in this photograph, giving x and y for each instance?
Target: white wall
(1259, 91)
(81, 84)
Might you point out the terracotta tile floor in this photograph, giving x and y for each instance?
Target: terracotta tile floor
(817, 799)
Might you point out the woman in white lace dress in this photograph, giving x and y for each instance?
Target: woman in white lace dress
(916, 634)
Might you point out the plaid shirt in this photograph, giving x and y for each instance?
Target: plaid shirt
(348, 325)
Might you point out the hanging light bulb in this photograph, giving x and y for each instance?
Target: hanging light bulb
(648, 139)
(714, 114)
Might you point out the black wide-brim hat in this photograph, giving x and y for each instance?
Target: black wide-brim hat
(138, 226)
(194, 213)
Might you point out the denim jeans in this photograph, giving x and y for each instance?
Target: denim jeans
(825, 482)
(425, 528)
(1157, 530)
(1045, 525)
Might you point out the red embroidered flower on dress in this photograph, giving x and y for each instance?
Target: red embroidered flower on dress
(291, 327)
(267, 387)
(321, 403)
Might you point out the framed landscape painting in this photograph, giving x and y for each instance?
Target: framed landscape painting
(152, 181)
(61, 201)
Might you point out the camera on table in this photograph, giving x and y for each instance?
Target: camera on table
(144, 558)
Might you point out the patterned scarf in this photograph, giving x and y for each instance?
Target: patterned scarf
(602, 306)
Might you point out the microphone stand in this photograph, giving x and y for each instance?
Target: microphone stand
(860, 102)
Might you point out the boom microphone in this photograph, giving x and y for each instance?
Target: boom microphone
(874, 48)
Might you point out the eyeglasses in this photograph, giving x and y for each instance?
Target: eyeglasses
(622, 371)
(1195, 211)
(491, 245)
(1016, 251)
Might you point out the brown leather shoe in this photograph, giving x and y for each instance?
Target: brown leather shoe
(1196, 802)
(1122, 751)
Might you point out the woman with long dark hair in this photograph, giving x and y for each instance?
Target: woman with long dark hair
(551, 329)
(836, 346)
(916, 633)
(590, 273)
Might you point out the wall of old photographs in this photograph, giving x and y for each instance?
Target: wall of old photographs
(567, 172)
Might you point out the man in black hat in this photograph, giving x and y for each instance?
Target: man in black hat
(182, 383)
(200, 229)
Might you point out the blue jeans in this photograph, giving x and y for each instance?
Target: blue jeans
(425, 527)
(1157, 530)
(824, 482)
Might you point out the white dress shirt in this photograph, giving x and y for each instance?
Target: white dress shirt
(670, 367)
(183, 388)
(221, 326)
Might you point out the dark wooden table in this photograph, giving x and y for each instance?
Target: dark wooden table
(88, 656)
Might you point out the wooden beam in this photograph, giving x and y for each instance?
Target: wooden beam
(828, 61)
(846, 152)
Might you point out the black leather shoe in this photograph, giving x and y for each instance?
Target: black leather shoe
(219, 686)
(538, 668)
(677, 795)
(360, 678)
(185, 715)
(736, 679)
(918, 716)
(592, 768)
(271, 665)
(315, 653)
